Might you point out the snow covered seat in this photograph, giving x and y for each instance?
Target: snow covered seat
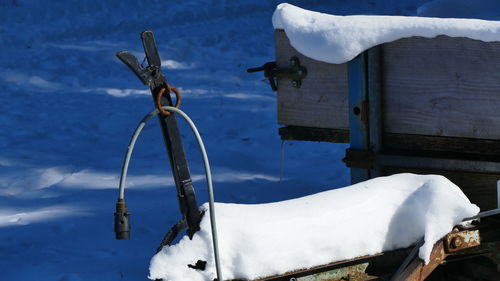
(370, 217)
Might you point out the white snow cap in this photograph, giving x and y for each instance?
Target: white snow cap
(370, 217)
(338, 39)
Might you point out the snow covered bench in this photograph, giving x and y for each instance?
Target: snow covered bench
(423, 87)
(368, 218)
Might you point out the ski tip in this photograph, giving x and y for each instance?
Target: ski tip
(147, 33)
(120, 53)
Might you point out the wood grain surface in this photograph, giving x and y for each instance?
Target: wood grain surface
(321, 101)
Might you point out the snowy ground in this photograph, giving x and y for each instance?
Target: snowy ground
(68, 107)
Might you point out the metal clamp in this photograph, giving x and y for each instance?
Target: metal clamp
(146, 74)
(295, 72)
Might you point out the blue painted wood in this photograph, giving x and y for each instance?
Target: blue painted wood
(358, 119)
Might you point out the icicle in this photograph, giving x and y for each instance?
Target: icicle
(282, 160)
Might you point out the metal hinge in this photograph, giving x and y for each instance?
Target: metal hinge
(295, 72)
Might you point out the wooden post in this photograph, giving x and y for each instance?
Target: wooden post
(375, 119)
(358, 111)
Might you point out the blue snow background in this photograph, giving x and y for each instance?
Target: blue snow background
(68, 108)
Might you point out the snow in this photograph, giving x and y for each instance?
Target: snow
(7, 218)
(338, 39)
(68, 107)
(370, 217)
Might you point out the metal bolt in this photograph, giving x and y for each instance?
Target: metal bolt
(294, 83)
(292, 62)
(456, 242)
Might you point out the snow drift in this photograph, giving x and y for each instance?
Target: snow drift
(338, 39)
(377, 215)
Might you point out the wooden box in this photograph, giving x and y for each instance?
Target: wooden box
(428, 104)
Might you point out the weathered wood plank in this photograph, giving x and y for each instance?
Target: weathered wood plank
(448, 164)
(442, 86)
(430, 145)
(321, 101)
(313, 134)
(437, 146)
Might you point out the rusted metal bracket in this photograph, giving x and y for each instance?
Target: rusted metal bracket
(451, 244)
(457, 241)
(295, 72)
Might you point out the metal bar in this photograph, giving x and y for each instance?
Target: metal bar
(418, 271)
(411, 256)
(484, 214)
(358, 107)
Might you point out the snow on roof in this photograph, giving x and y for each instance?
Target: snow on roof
(377, 215)
(338, 39)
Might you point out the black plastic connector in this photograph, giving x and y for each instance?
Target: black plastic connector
(122, 221)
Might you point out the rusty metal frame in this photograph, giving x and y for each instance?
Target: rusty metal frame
(454, 243)
(351, 267)
(451, 244)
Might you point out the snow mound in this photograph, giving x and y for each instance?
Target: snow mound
(377, 215)
(338, 39)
